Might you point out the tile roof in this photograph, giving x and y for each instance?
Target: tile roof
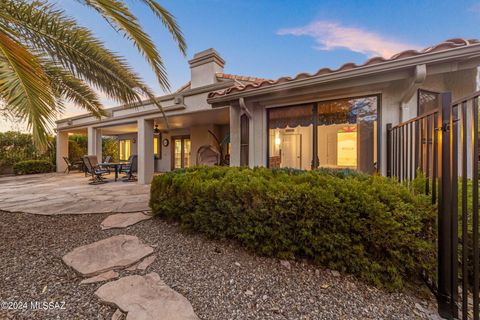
(226, 76)
(448, 44)
(186, 86)
(239, 78)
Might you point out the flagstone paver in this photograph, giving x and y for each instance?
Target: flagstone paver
(123, 220)
(57, 193)
(146, 297)
(109, 275)
(142, 265)
(116, 252)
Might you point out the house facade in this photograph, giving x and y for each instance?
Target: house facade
(333, 118)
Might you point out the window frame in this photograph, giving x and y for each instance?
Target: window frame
(120, 148)
(315, 104)
(182, 138)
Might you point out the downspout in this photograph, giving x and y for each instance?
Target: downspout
(416, 81)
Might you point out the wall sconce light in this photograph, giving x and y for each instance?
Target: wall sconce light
(278, 141)
(134, 140)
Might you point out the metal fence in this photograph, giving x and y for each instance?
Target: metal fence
(442, 145)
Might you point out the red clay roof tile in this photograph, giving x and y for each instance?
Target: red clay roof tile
(260, 83)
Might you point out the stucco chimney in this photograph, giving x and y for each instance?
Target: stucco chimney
(204, 66)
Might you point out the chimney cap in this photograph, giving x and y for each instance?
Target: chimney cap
(206, 56)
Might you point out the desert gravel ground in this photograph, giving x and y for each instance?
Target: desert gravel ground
(220, 279)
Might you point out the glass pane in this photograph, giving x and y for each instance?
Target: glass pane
(427, 101)
(122, 149)
(347, 133)
(186, 152)
(291, 137)
(127, 149)
(178, 154)
(155, 146)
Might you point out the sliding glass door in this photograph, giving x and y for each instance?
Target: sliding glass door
(334, 134)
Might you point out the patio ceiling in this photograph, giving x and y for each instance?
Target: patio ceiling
(219, 116)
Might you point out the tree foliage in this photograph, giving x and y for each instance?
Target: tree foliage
(47, 58)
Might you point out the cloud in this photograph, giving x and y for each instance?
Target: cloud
(332, 35)
(474, 8)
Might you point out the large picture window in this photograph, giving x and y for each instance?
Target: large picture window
(335, 134)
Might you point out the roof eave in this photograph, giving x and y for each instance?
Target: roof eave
(429, 58)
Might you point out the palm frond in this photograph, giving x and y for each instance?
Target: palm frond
(170, 23)
(25, 88)
(118, 14)
(49, 30)
(66, 86)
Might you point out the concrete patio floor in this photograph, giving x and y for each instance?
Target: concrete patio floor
(57, 193)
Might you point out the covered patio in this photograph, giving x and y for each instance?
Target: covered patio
(58, 193)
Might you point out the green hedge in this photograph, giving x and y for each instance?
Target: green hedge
(32, 166)
(369, 226)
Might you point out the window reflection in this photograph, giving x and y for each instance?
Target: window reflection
(346, 134)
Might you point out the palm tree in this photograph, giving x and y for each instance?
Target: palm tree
(47, 58)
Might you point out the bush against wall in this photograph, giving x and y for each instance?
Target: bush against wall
(369, 226)
(32, 166)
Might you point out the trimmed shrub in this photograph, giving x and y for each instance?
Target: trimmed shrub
(32, 166)
(369, 226)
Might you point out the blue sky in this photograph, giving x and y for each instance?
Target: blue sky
(276, 38)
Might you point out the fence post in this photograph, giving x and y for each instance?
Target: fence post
(444, 210)
(389, 149)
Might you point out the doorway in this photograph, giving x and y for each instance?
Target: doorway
(181, 152)
(291, 151)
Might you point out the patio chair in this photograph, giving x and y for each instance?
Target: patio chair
(108, 159)
(70, 166)
(95, 171)
(129, 169)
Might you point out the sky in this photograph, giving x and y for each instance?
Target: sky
(270, 39)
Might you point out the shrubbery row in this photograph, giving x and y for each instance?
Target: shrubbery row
(369, 226)
(32, 166)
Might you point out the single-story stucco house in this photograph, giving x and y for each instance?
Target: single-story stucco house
(332, 118)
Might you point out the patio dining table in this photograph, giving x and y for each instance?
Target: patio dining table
(115, 165)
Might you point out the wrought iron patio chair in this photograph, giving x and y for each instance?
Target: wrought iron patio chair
(95, 171)
(70, 166)
(130, 169)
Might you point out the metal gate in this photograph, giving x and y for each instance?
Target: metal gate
(443, 145)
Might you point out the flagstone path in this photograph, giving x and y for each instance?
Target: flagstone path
(58, 193)
(141, 297)
(116, 252)
(146, 297)
(123, 220)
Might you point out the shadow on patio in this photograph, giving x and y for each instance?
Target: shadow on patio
(57, 193)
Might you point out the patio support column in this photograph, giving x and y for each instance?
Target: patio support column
(95, 142)
(62, 150)
(145, 151)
